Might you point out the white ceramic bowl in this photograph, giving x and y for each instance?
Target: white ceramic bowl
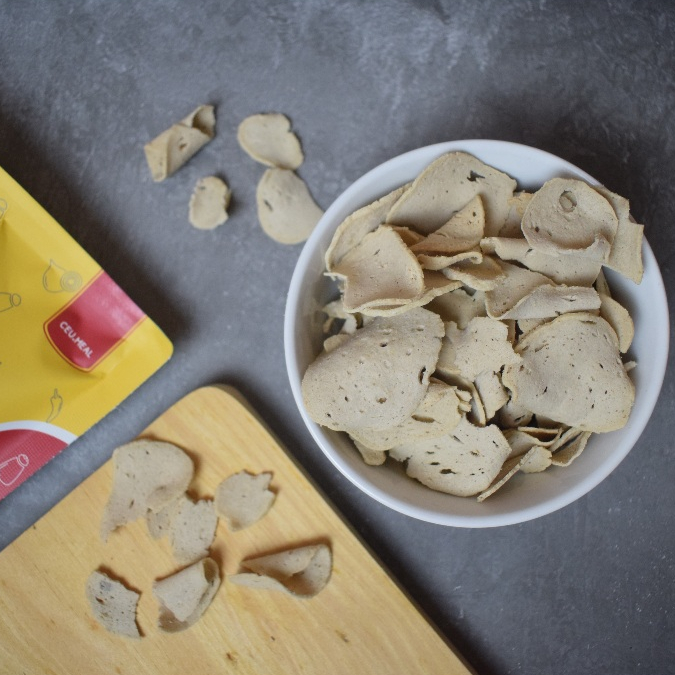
(526, 496)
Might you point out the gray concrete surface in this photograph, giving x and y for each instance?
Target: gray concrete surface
(83, 85)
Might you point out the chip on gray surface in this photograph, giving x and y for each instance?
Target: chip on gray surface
(267, 138)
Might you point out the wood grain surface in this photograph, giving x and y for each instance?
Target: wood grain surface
(362, 622)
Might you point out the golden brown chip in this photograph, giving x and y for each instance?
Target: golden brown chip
(175, 146)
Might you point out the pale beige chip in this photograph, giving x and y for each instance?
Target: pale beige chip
(438, 414)
(539, 460)
(482, 276)
(267, 138)
(286, 210)
(526, 325)
(148, 475)
(378, 377)
(208, 203)
(459, 306)
(462, 232)
(492, 392)
(524, 294)
(447, 185)
(175, 146)
(437, 262)
(517, 205)
(625, 256)
(244, 498)
(185, 596)
(333, 341)
(302, 572)
(617, 316)
(192, 529)
(463, 462)
(482, 345)
(113, 604)
(570, 270)
(572, 372)
(512, 415)
(380, 270)
(574, 445)
(358, 224)
(509, 469)
(601, 285)
(370, 456)
(568, 217)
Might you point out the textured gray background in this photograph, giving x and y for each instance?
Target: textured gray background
(83, 85)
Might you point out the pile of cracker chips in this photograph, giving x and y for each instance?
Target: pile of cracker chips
(475, 336)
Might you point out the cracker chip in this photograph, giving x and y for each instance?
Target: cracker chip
(463, 462)
(573, 446)
(493, 394)
(286, 210)
(617, 316)
(358, 224)
(370, 456)
(356, 385)
(438, 414)
(482, 345)
(379, 270)
(113, 604)
(568, 217)
(267, 138)
(517, 205)
(462, 232)
(570, 270)
(302, 572)
(243, 499)
(186, 595)
(572, 372)
(447, 185)
(524, 294)
(192, 529)
(175, 146)
(208, 203)
(509, 469)
(625, 256)
(148, 475)
(481, 276)
(459, 306)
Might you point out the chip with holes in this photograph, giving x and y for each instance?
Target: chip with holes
(148, 475)
(113, 604)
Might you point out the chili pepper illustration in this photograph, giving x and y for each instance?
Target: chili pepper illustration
(56, 403)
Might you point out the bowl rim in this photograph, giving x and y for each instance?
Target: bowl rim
(319, 435)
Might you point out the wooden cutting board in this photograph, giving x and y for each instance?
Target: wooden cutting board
(362, 622)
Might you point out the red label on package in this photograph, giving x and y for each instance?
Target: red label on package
(93, 323)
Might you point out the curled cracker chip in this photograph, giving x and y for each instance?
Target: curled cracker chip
(380, 270)
(446, 186)
(286, 210)
(267, 138)
(243, 499)
(186, 595)
(617, 316)
(358, 224)
(302, 572)
(567, 216)
(113, 604)
(459, 306)
(481, 276)
(148, 475)
(175, 146)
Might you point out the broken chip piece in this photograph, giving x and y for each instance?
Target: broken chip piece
(244, 498)
(148, 475)
(208, 203)
(186, 595)
(267, 138)
(302, 572)
(174, 147)
(286, 210)
(113, 604)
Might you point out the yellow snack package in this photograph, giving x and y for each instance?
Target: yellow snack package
(72, 344)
